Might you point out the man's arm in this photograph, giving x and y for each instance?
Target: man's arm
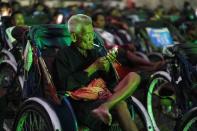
(91, 70)
(66, 76)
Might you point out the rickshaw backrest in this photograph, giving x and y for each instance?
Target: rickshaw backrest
(51, 35)
(141, 27)
(49, 39)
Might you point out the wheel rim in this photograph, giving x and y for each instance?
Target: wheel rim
(3, 57)
(137, 115)
(149, 99)
(31, 121)
(137, 119)
(153, 99)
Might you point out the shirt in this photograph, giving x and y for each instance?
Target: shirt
(69, 69)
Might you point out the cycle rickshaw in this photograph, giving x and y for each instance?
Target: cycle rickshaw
(38, 105)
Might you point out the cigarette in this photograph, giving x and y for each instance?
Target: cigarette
(96, 45)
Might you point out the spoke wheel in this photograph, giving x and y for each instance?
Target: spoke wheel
(32, 117)
(189, 121)
(161, 104)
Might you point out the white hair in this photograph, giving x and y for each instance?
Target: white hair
(76, 22)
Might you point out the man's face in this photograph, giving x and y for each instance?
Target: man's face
(100, 22)
(19, 19)
(86, 38)
(5, 11)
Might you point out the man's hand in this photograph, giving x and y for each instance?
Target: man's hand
(111, 56)
(102, 63)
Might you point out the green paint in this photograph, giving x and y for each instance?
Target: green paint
(194, 42)
(149, 101)
(21, 122)
(189, 124)
(29, 59)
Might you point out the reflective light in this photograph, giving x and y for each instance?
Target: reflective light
(60, 18)
(196, 11)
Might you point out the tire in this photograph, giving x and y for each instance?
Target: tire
(11, 82)
(142, 55)
(161, 108)
(34, 114)
(189, 121)
(3, 57)
(154, 57)
(7, 74)
(7, 55)
(138, 114)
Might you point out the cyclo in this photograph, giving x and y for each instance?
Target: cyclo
(38, 106)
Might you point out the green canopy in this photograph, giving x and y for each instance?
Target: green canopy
(50, 35)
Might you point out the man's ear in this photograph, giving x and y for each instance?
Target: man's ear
(73, 37)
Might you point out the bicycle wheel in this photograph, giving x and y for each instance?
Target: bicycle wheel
(7, 74)
(138, 114)
(10, 84)
(161, 102)
(32, 116)
(3, 57)
(189, 121)
(7, 55)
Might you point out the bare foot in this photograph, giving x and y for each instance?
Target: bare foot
(103, 114)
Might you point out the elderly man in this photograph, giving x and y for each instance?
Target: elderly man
(90, 79)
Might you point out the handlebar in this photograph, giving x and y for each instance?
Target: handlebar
(167, 51)
(170, 51)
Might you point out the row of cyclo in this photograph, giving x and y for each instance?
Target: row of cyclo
(34, 105)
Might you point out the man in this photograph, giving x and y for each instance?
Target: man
(79, 67)
(129, 57)
(5, 13)
(5, 9)
(17, 18)
(188, 12)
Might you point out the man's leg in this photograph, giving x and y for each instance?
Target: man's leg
(124, 117)
(138, 60)
(123, 90)
(143, 64)
(82, 111)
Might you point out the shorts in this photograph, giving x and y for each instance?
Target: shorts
(96, 89)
